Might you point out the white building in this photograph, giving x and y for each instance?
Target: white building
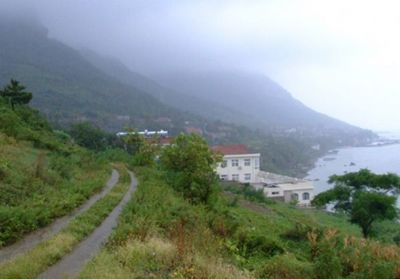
(145, 133)
(243, 166)
(238, 163)
(286, 188)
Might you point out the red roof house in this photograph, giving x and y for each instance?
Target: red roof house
(231, 149)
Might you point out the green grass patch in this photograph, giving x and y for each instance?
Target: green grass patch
(43, 174)
(47, 253)
(38, 186)
(161, 235)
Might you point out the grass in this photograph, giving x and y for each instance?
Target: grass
(160, 235)
(37, 186)
(47, 253)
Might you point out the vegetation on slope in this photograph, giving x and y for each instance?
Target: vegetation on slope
(162, 235)
(43, 175)
(47, 253)
(166, 233)
(364, 196)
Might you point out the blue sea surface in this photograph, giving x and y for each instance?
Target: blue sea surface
(380, 159)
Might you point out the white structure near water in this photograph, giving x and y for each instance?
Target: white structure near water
(243, 166)
(286, 188)
(238, 163)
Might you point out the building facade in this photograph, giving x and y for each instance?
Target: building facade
(285, 188)
(238, 163)
(241, 165)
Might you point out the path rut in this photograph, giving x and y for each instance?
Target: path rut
(35, 237)
(71, 264)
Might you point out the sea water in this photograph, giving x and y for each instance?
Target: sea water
(378, 159)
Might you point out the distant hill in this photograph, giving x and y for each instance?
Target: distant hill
(185, 102)
(67, 87)
(261, 102)
(74, 86)
(242, 98)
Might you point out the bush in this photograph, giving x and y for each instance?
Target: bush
(298, 233)
(190, 167)
(286, 266)
(247, 191)
(251, 245)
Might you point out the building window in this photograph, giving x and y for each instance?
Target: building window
(224, 164)
(306, 196)
(247, 176)
(235, 163)
(257, 163)
(275, 193)
(223, 177)
(247, 162)
(295, 196)
(235, 177)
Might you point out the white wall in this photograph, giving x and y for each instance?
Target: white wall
(288, 193)
(286, 190)
(228, 172)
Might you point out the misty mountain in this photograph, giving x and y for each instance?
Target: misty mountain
(68, 88)
(270, 107)
(242, 98)
(186, 102)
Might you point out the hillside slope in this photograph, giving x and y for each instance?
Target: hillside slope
(263, 102)
(68, 88)
(43, 175)
(73, 87)
(186, 102)
(161, 235)
(242, 98)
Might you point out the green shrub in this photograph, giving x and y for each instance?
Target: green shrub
(189, 165)
(298, 233)
(251, 245)
(286, 266)
(247, 191)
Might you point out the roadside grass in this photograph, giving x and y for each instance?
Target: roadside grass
(160, 235)
(37, 186)
(47, 253)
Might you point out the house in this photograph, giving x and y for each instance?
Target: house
(146, 133)
(238, 163)
(160, 137)
(285, 188)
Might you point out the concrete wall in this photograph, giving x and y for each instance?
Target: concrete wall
(231, 172)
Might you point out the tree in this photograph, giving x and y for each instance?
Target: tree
(14, 93)
(144, 150)
(366, 197)
(89, 136)
(133, 141)
(190, 167)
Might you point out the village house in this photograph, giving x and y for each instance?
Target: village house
(285, 188)
(239, 164)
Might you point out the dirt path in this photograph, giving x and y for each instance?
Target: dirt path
(72, 263)
(35, 237)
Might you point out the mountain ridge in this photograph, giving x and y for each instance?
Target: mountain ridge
(69, 88)
(205, 94)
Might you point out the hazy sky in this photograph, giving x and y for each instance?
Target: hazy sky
(339, 57)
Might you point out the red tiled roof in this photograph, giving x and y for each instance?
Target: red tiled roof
(231, 149)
